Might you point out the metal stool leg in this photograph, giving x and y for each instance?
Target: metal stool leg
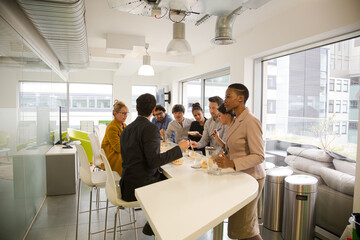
(90, 210)
(116, 212)
(106, 217)
(78, 210)
(134, 218)
(97, 198)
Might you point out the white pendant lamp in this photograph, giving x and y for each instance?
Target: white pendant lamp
(178, 46)
(146, 69)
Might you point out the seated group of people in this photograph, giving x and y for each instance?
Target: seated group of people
(134, 150)
(204, 132)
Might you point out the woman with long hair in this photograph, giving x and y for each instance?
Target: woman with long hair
(197, 126)
(111, 141)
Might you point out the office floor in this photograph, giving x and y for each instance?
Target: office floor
(57, 221)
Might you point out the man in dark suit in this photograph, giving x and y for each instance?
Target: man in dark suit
(140, 151)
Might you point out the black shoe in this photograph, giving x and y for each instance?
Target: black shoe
(147, 230)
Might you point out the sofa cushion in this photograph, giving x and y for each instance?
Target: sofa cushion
(310, 153)
(307, 165)
(345, 166)
(338, 181)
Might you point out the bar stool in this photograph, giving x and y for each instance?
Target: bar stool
(113, 194)
(91, 179)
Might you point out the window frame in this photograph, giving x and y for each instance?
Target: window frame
(203, 78)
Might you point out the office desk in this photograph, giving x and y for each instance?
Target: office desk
(192, 202)
(61, 170)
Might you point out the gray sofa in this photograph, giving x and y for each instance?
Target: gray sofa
(336, 177)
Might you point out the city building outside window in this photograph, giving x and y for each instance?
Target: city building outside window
(89, 102)
(271, 106)
(345, 86)
(331, 85)
(308, 96)
(337, 106)
(190, 95)
(338, 86)
(343, 128)
(271, 82)
(331, 106)
(345, 106)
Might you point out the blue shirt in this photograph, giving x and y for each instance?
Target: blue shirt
(164, 124)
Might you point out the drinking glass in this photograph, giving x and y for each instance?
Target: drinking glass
(196, 157)
(211, 156)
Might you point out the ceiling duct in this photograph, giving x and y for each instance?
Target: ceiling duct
(224, 27)
(62, 24)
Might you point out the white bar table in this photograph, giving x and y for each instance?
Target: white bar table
(192, 202)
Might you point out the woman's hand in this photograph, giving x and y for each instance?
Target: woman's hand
(223, 162)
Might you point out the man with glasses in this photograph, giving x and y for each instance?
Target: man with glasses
(161, 119)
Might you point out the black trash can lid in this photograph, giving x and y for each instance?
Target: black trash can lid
(277, 175)
(301, 183)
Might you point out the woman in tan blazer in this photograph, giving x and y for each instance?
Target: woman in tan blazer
(245, 153)
(111, 141)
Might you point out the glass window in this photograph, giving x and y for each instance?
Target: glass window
(136, 91)
(354, 104)
(199, 90)
(214, 87)
(338, 86)
(331, 85)
(89, 102)
(337, 106)
(343, 128)
(345, 106)
(190, 95)
(331, 106)
(314, 91)
(271, 106)
(337, 128)
(345, 85)
(353, 125)
(271, 84)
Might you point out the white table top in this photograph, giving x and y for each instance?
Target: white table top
(192, 202)
(59, 150)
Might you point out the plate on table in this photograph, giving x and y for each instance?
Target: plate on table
(178, 162)
(193, 133)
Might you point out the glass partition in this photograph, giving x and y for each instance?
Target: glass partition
(24, 133)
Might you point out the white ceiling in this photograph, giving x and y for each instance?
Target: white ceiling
(101, 20)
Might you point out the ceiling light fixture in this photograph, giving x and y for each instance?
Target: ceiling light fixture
(178, 46)
(146, 69)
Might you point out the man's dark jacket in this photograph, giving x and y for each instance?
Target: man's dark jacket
(140, 151)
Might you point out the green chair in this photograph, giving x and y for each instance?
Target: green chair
(77, 135)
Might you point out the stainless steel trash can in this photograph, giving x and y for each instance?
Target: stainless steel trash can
(267, 166)
(273, 197)
(299, 207)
